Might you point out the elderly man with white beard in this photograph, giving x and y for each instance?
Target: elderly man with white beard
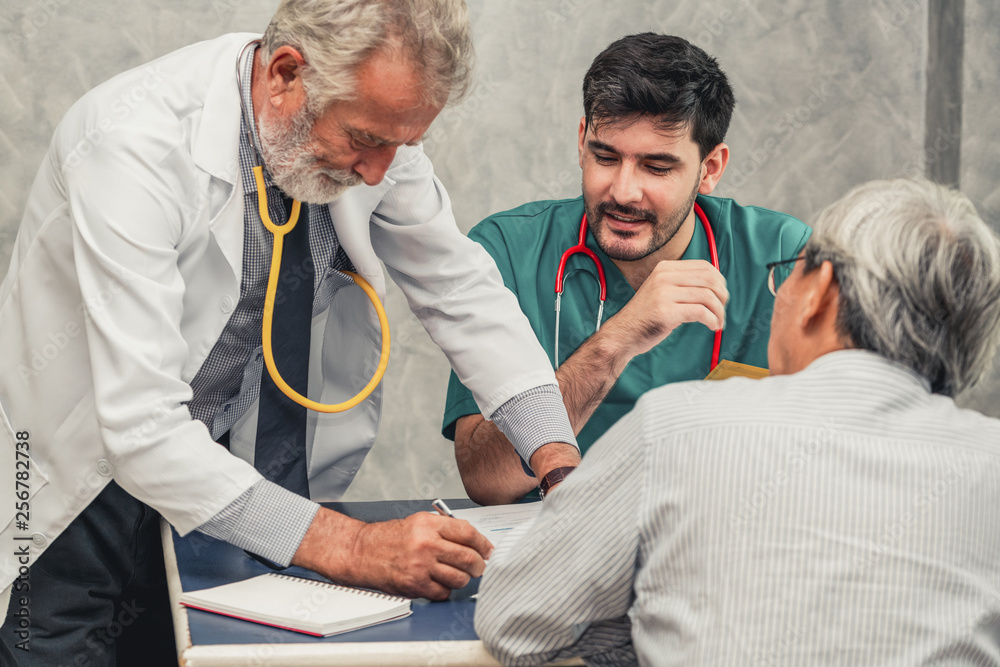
(137, 378)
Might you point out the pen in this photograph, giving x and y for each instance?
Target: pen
(441, 508)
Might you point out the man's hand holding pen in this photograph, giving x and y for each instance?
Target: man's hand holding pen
(423, 555)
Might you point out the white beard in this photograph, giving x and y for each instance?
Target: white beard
(285, 149)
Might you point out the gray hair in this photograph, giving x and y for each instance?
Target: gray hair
(919, 276)
(336, 36)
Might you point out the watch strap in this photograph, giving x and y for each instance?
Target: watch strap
(552, 478)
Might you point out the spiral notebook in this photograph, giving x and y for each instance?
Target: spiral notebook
(304, 605)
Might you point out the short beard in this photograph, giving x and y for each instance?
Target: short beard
(663, 231)
(285, 150)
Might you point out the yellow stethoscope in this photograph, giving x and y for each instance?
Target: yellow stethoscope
(279, 232)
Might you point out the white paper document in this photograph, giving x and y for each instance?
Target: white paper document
(496, 521)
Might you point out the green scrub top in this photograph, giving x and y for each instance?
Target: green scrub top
(527, 243)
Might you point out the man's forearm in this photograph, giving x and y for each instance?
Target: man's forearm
(328, 545)
(490, 468)
(586, 377)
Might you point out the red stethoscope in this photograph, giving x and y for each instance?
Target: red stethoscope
(582, 247)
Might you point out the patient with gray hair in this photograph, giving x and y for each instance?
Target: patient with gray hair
(842, 511)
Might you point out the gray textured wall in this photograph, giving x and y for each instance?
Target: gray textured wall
(980, 168)
(831, 93)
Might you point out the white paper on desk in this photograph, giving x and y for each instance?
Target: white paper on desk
(496, 521)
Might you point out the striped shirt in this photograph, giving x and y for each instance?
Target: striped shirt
(843, 515)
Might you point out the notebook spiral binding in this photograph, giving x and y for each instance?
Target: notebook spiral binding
(327, 584)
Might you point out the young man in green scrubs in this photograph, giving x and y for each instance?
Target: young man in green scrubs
(651, 149)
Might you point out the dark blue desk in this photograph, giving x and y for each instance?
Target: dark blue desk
(439, 633)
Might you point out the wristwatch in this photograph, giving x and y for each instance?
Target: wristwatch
(552, 478)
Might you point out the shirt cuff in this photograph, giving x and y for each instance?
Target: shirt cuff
(266, 519)
(534, 418)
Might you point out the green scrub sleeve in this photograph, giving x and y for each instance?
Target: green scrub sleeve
(792, 244)
(459, 401)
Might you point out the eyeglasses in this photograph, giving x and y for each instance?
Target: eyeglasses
(777, 272)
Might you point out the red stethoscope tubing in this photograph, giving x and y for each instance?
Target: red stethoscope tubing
(713, 252)
(581, 247)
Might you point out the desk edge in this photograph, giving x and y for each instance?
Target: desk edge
(362, 654)
(182, 631)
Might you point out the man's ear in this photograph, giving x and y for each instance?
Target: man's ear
(712, 168)
(283, 77)
(583, 136)
(821, 293)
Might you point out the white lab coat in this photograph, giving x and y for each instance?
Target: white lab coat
(127, 267)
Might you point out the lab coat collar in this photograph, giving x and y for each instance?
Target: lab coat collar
(217, 145)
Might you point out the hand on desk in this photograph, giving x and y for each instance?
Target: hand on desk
(423, 555)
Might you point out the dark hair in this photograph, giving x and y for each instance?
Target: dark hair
(662, 76)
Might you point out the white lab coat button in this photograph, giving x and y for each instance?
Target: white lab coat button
(226, 304)
(39, 540)
(104, 467)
